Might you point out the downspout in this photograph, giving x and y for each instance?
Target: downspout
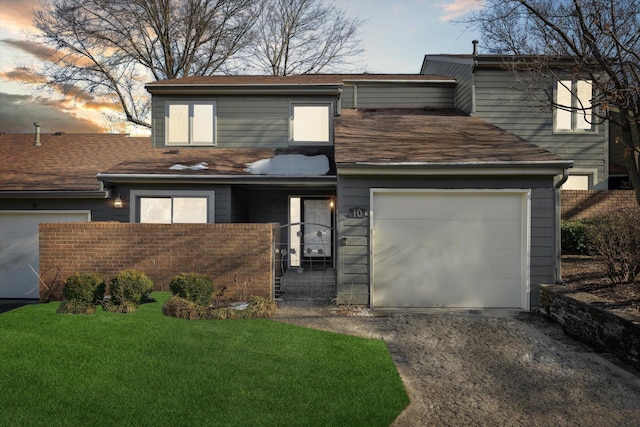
(558, 227)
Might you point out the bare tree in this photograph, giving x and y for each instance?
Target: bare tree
(110, 48)
(303, 37)
(598, 40)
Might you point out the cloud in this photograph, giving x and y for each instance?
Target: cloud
(18, 14)
(44, 52)
(18, 112)
(71, 95)
(456, 8)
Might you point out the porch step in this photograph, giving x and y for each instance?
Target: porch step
(304, 285)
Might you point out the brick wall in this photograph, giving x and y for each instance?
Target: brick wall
(238, 256)
(580, 204)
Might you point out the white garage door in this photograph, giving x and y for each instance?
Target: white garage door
(447, 248)
(19, 249)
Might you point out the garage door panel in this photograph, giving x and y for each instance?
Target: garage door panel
(19, 249)
(444, 261)
(455, 206)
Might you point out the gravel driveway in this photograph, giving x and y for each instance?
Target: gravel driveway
(491, 368)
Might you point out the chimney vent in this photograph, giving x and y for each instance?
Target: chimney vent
(475, 47)
(36, 142)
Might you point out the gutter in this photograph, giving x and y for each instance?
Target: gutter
(63, 194)
(327, 181)
(455, 168)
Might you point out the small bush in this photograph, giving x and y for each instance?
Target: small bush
(130, 286)
(182, 308)
(573, 237)
(615, 239)
(74, 306)
(197, 288)
(85, 287)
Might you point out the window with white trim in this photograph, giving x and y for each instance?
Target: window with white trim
(573, 111)
(311, 123)
(190, 123)
(171, 207)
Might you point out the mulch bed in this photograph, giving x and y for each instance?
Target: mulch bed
(585, 274)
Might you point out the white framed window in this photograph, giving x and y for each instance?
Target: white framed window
(574, 112)
(581, 179)
(172, 207)
(190, 122)
(311, 123)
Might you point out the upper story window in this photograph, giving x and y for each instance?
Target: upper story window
(190, 123)
(311, 123)
(574, 113)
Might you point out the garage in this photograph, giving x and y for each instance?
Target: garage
(19, 249)
(450, 248)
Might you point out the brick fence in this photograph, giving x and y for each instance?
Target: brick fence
(580, 204)
(238, 256)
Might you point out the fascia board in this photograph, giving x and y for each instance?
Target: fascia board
(65, 194)
(294, 89)
(325, 181)
(461, 169)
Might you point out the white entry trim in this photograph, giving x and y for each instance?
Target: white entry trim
(526, 232)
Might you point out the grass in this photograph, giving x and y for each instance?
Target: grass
(144, 368)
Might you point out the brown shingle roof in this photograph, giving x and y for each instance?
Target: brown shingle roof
(70, 162)
(63, 162)
(427, 136)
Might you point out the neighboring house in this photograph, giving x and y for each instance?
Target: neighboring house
(489, 89)
(415, 203)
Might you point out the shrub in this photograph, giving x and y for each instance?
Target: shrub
(197, 288)
(615, 239)
(85, 287)
(573, 237)
(130, 287)
(182, 308)
(74, 306)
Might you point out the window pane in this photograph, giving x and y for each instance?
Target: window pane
(178, 124)
(190, 210)
(584, 92)
(203, 123)
(563, 98)
(311, 123)
(155, 210)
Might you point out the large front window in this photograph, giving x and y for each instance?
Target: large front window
(172, 207)
(311, 123)
(190, 123)
(573, 110)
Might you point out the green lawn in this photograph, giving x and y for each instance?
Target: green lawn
(144, 368)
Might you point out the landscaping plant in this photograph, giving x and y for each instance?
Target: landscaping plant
(615, 239)
(81, 292)
(195, 287)
(573, 237)
(128, 290)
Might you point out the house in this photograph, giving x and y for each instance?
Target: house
(489, 89)
(413, 201)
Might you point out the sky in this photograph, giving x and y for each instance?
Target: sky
(396, 36)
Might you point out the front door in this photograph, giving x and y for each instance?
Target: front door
(311, 233)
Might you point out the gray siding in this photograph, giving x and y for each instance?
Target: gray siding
(397, 95)
(241, 121)
(353, 269)
(462, 71)
(501, 101)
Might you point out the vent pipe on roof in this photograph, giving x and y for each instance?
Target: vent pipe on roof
(36, 142)
(475, 47)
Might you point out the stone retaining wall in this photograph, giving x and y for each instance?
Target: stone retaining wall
(584, 316)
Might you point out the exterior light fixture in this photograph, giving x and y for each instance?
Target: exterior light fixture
(331, 203)
(118, 203)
